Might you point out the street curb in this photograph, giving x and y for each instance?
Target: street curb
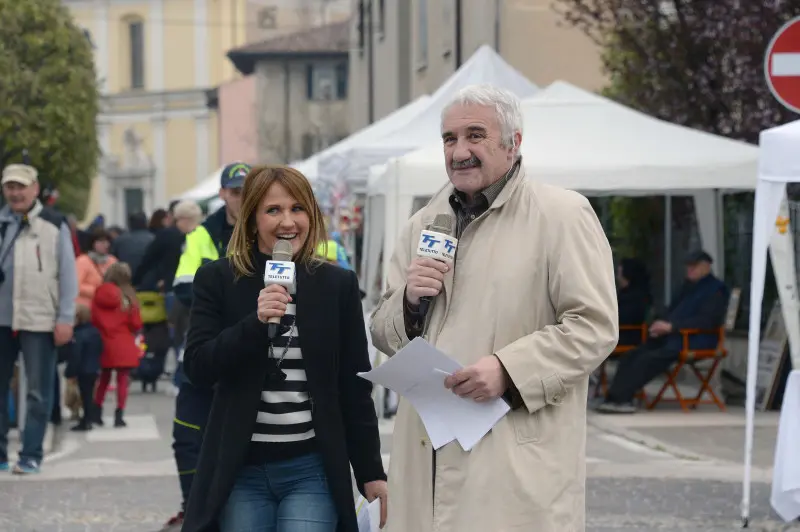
(655, 444)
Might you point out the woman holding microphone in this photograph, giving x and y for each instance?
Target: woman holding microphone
(290, 415)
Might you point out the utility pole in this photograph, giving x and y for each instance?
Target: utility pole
(370, 64)
(498, 11)
(458, 34)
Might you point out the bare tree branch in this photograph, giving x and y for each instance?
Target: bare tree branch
(697, 63)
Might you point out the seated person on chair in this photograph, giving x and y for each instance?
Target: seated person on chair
(700, 303)
(633, 299)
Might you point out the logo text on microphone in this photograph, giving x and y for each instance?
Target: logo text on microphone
(437, 246)
(279, 272)
(430, 240)
(278, 268)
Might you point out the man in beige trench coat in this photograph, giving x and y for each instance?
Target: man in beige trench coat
(529, 308)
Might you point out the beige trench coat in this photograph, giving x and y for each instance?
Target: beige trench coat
(533, 283)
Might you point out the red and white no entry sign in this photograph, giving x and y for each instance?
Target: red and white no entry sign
(782, 65)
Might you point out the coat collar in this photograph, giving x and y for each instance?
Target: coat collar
(440, 202)
(6, 215)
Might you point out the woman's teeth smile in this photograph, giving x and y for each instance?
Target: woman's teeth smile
(290, 236)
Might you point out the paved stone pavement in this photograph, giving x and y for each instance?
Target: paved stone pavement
(123, 479)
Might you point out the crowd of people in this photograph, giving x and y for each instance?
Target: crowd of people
(94, 300)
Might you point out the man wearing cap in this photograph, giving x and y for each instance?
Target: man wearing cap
(208, 242)
(700, 303)
(38, 287)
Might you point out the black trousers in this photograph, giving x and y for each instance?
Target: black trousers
(55, 407)
(192, 407)
(639, 366)
(86, 383)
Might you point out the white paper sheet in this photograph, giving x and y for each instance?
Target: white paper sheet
(417, 372)
(368, 515)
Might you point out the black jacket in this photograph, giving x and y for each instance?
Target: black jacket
(698, 305)
(160, 260)
(227, 348)
(220, 230)
(85, 350)
(131, 247)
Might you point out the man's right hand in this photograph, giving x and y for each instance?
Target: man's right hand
(424, 278)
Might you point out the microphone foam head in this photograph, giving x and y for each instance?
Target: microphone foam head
(282, 251)
(444, 223)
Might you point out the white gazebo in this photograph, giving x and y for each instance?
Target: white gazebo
(779, 165)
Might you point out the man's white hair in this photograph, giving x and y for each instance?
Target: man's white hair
(505, 103)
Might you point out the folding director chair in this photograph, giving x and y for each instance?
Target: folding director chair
(602, 386)
(691, 358)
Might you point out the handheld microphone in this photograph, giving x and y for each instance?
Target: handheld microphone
(281, 271)
(437, 242)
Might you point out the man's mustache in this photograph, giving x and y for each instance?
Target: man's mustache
(467, 163)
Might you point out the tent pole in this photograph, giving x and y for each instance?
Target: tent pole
(458, 17)
(667, 249)
(370, 64)
(719, 209)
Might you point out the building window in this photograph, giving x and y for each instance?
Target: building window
(309, 145)
(422, 33)
(136, 36)
(326, 81)
(134, 201)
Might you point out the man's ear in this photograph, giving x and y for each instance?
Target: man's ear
(517, 141)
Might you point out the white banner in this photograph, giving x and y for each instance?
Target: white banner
(781, 249)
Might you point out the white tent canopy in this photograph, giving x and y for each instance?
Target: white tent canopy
(779, 165)
(581, 141)
(208, 188)
(578, 140)
(485, 66)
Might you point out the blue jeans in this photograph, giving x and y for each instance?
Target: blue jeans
(39, 356)
(287, 496)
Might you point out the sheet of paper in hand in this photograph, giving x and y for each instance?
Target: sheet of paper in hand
(417, 372)
(368, 515)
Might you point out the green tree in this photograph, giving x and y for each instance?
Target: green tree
(48, 97)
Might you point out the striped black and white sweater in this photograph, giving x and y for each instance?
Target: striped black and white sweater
(283, 427)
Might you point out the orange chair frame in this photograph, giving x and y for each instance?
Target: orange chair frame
(688, 357)
(620, 349)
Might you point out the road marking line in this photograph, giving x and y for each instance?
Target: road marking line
(633, 446)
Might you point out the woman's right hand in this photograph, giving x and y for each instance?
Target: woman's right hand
(272, 301)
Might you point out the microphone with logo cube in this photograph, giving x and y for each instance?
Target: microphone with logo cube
(280, 270)
(437, 242)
